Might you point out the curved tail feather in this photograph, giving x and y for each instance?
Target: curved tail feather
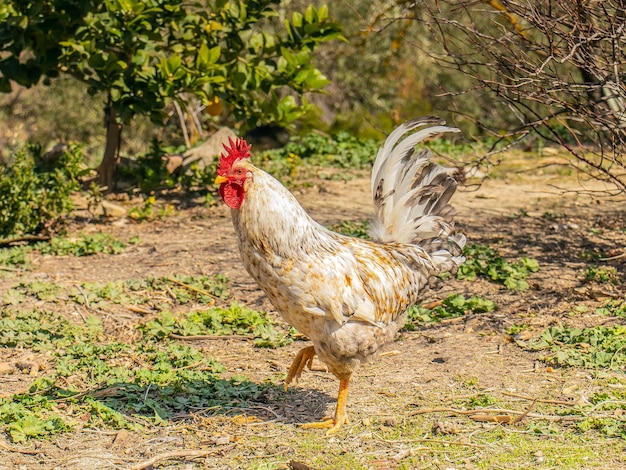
(411, 195)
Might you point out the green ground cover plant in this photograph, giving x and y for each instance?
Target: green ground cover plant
(95, 381)
(455, 305)
(484, 261)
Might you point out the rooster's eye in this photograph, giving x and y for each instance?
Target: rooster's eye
(239, 171)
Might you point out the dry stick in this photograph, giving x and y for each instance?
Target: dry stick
(25, 238)
(494, 410)
(13, 270)
(210, 337)
(18, 450)
(432, 441)
(613, 257)
(135, 309)
(523, 415)
(192, 288)
(539, 400)
(615, 354)
(175, 454)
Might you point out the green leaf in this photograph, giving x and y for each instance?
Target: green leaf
(310, 15)
(29, 426)
(296, 19)
(13, 297)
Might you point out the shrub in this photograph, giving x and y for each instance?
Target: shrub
(35, 194)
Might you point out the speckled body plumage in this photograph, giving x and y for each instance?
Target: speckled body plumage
(349, 295)
(344, 293)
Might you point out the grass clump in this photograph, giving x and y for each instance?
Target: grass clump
(97, 383)
(596, 347)
(358, 229)
(602, 275)
(483, 261)
(43, 331)
(613, 308)
(150, 211)
(15, 257)
(174, 290)
(235, 320)
(342, 150)
(455, 305)
(84, 245)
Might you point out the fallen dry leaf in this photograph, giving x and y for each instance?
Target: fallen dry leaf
(243, 419)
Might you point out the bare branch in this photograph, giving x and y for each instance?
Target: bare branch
(556, 68)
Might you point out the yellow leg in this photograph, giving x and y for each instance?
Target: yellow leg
(303, 359)
(341, 416)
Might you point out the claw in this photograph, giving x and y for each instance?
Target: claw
(341, 416)
(303, 359)
(332, 424)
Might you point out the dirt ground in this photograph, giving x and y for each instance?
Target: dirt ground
(518, 216)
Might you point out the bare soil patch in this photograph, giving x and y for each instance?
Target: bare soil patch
(431, 368)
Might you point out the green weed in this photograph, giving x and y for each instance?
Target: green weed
(602, 275)
(235, 320)
(518, 328)
(175, 289)
(44, 331)
(481, 400)
(611, 399)
(342, 150)
(483, 261)
(519, 214)
(455, 305)
(99, 384)
(452, 148)
(150, 211)
(597, 347)
(613, 308)
(15, 257)
(593, 254)
(351, 228)
(84, 245)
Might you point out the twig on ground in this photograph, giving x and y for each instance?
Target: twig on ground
(432, 441)
(192, 288)
(177, 454)
(5, 446)
(25, 238)
(523, 415)
(610, 258)
(539, 400)
(269, 410)
(501, 411)
(615, 355)
(501, 418)
(135, 309)
(84, 294)
(13, 270)
(210, 337)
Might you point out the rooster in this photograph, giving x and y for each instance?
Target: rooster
(348, 295)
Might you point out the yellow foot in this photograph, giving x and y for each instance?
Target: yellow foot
(303, 359)
(332, 424)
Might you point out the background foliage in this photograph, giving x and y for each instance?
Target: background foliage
(169, 72)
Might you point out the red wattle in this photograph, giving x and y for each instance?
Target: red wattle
(232, 194)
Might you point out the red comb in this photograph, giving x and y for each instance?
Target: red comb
(237, 149)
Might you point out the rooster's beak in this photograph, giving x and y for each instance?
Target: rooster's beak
(219, 179)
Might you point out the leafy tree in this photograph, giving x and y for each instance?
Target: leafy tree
(144, 54)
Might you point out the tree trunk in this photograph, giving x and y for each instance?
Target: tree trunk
(110, 159)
